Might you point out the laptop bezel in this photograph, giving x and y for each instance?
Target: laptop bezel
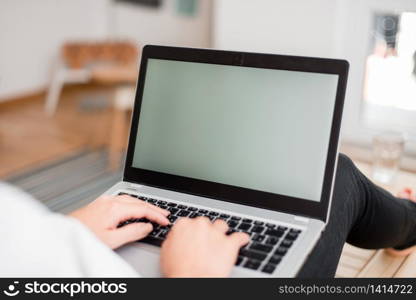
(239, 195)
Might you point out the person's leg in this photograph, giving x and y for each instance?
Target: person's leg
(362, 214)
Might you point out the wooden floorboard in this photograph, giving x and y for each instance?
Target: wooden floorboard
(28, 137)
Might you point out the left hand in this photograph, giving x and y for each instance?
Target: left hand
(103, 215)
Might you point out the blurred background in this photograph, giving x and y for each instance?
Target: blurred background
(68, 70)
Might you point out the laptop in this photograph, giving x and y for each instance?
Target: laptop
(245, 137)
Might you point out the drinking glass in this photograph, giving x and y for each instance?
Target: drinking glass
(387, 152)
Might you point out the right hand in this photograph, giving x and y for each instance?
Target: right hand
(199, 248)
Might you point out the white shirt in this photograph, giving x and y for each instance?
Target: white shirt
(38, 243)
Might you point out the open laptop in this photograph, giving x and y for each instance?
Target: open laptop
(248, 138)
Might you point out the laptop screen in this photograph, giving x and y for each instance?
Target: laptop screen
(262, 129)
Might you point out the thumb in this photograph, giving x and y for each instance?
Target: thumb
(129, 233)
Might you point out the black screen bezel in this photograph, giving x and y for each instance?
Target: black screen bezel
(282, 203)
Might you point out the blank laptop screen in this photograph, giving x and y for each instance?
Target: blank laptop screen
(261, 129)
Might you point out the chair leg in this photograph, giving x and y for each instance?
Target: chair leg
(53, 95)
(117, 141)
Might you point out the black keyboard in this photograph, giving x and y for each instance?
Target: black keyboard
(269, 243)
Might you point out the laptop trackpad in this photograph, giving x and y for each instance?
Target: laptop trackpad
(143, 258)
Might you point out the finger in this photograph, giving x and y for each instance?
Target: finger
(129, 233)
(220, 225)
(129, 199)
(203, 219)
(125, 211)
(239, 239)
(161, 210)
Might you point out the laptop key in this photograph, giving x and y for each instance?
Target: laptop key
(275, 259)
(172, 219)
(173, 210)
(287, 243)
(154, 233)
(253, 254)
(181, 206)
(235, 218)
(272, 240)
(213, 213)
(244, 226)
(274, 232)
(295, 230)
(183, 213)
(280, 251)
(261, 247)
(258, 237)
(247, 221)
(225, 216)
(258, 222)
(203, 211)
(232, 224)
(269, 268)
(171, 204)
(257, 229)
(152, 240)
(291, 236)
(281, 228)
(252, 264)
(269, 225)
(163, 234)
(194, 215)
(192, 208)
(127, 194)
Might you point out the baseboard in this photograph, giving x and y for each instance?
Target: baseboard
(19, 98)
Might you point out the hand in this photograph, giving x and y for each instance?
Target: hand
(199, 248)
(104, 215)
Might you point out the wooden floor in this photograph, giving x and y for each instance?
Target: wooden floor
(29, 138)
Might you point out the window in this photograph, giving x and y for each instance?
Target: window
(390, 76)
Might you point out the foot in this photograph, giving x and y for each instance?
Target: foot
(407, 193)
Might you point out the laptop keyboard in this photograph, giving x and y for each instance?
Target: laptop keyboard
(269, 243)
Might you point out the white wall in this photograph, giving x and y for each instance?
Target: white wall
(31, 33)
(163, 26)
(299, 27)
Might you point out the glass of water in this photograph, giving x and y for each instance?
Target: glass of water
(387, 152)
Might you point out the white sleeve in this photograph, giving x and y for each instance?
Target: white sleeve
(39, 243)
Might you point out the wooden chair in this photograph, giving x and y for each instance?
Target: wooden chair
(79, 62)
(112, 64)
